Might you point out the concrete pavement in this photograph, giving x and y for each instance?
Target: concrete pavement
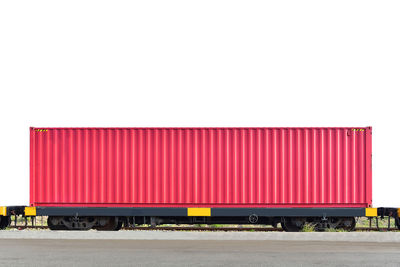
(41, 252)
(182, 235)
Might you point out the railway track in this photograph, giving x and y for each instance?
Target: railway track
(204, 229)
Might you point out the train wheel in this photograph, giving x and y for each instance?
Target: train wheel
(290, 224)
(110, 224)
(349, 224)
(4, 222)
(54, 223)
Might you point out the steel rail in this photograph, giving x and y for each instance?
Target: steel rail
(204, 229)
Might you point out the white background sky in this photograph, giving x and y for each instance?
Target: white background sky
(199, 63)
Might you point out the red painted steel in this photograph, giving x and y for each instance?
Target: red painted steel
(207, 167)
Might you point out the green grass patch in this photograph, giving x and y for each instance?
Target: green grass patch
(308, 227)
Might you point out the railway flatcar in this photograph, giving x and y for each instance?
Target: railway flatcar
(104, 178)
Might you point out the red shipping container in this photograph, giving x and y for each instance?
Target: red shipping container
(200, 167)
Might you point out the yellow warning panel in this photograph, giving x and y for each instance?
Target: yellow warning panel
(3, 211)
(371, 212)
(199, 211)
(30, 211)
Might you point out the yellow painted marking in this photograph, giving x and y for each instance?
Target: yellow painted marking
(371, 212)
(30, 211)
(3, 211)
(199, 211)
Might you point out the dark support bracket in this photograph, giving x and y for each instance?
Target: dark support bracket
(390, 213)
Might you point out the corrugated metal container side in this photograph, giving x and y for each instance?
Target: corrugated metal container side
(205, 167)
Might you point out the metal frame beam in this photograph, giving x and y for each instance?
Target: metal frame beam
(215, 212)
